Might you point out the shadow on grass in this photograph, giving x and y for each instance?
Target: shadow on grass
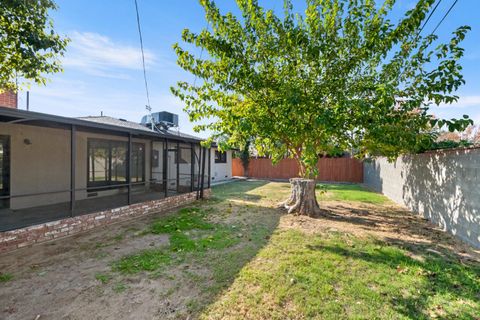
(446, 277)
(255, 225)
(209, 245)
(387, 219)
(238, 190)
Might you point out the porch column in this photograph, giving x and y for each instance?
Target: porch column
(129, 168)
(199, 170)
(203, 172)
(73, 158)
(192, 167)
(150, 181)
(177, 158)
(165, 167)
(209, 166)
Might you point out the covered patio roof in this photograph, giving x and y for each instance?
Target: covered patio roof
(95, 124)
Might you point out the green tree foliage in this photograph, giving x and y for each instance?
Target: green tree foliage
(29, 47)
(447, 144)
(340, 75)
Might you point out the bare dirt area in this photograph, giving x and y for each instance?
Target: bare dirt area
(145, 269)
(388, 222)
(57, 279)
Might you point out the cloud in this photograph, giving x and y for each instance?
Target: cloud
(98, 55)
(463, 102)
(79, 98)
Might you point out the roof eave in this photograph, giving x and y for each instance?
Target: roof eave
(32, 116)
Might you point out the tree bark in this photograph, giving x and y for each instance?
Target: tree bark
(302, 199)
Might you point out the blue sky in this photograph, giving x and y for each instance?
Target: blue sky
(103, 65)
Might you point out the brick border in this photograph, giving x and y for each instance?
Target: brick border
(19, 238)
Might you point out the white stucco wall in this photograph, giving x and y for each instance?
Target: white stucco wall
(220, 171)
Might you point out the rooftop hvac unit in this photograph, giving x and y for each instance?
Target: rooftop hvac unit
(161, 119)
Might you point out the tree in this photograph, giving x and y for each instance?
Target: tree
(29, 47)
(340, 75)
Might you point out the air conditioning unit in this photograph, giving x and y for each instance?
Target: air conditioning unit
(162, 119)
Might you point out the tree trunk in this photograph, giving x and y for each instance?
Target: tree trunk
(302, 198)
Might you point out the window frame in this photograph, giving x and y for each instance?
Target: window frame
(108, 182)
(220, 157)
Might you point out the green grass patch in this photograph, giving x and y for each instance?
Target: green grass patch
(146, 260)
(103, 278)
(348, 192)
(335, 276)
(189, 231)
(186, 219)
(4, 277)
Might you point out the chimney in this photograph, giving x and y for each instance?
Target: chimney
(8, 99)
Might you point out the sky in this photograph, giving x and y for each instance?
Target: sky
(103, 68)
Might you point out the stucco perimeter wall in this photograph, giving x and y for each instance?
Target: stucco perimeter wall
(443, 186)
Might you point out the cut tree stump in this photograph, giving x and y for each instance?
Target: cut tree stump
(302, 199)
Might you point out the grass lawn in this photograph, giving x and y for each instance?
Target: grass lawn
(349, 192)
(236, 256)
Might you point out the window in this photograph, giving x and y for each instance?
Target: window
(107, 162)
(220, 157)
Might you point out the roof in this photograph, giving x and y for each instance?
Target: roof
(133, 125)
(9, 115)
(116, 122)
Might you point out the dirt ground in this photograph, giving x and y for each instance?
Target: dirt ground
(390, 223)
(63, 279)
(57, 280)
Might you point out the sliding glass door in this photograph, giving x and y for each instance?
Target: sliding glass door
(4, 171)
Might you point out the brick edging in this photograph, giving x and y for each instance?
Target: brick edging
(19, 238)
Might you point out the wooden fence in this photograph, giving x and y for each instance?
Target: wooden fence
(330, 169)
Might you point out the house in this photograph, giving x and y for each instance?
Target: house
(220, 164)
(54, 167)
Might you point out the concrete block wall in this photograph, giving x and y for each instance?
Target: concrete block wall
(15, 239)
(442, 186)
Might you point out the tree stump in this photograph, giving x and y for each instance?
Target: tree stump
(302, 199)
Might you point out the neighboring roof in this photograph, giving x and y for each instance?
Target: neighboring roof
(8, 115)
